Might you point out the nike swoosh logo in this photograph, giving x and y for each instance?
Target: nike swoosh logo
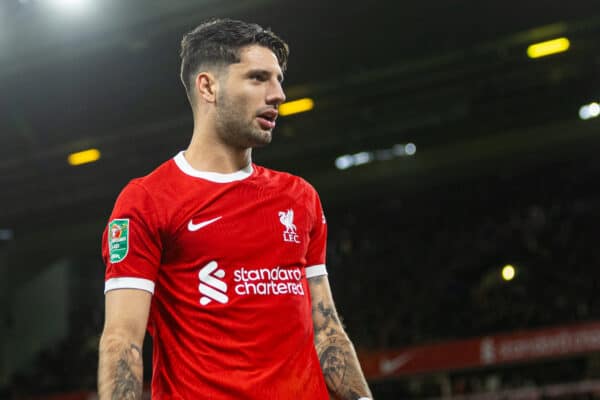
(390, 366)
(192, 227)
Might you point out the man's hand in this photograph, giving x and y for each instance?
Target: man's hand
(339, 362)
(120, 370)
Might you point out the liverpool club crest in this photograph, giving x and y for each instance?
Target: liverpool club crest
(287, 219)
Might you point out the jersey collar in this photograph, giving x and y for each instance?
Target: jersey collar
(187, 169)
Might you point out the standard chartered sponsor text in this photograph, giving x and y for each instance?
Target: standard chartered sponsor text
(265, 281)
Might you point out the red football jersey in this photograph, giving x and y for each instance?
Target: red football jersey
(227, 257)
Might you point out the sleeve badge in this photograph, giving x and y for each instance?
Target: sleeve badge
(118, 239)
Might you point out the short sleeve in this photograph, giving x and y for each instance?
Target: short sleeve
(315, 257)
(131, 243)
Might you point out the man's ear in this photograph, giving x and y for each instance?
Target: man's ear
(206, 86)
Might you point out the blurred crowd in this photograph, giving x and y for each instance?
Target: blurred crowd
(408, 269)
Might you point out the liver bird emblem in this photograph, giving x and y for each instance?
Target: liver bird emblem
(287, 219)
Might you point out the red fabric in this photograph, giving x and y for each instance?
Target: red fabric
(259, 343)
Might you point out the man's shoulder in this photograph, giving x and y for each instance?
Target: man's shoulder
(283, 178)
(148, 187)
(157, 178)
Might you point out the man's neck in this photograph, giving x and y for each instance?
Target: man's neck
(208, 154)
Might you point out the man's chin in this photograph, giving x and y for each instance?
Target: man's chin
(262, 139)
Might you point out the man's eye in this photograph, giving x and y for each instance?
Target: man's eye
(260, 78)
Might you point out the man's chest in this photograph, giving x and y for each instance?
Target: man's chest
(242, 228)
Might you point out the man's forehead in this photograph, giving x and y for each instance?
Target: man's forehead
(255, 56)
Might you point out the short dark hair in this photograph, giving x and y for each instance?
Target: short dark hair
(217, 42)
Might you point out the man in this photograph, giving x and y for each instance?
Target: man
(223, 261)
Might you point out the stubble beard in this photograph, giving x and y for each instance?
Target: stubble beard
(234, 129)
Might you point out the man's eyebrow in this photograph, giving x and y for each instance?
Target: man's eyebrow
(264, 72)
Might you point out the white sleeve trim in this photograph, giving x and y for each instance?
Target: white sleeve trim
(129, 283)
(316, 270)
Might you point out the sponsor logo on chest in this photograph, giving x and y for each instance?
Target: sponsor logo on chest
(248, 282)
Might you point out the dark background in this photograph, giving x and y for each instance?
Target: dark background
(505, 170)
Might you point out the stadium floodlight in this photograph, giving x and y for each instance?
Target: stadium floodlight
(362, 158)
(589, 111)
(344, 162)
(70, 6)
(548, 47)
(410, 149)
(508, 272)
(296, 106)
(84, 157)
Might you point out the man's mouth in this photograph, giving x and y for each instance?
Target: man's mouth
(267, 118)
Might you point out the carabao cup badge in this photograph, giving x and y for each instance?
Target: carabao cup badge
(118, 239)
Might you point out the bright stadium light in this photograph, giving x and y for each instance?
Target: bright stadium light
(344, 162)
(70, 6)
(548, 47)
(84, 157)
(364, 157)
(296, 107)
(589, 111)
(508, 272)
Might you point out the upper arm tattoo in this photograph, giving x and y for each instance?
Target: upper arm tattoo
(325, 318)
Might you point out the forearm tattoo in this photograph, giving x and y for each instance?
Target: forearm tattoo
(338, 371)
(338, 359)
(128, 375)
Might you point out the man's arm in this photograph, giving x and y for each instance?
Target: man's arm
(120, 370)
(339, 362)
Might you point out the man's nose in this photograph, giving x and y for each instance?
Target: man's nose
(276, 95)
